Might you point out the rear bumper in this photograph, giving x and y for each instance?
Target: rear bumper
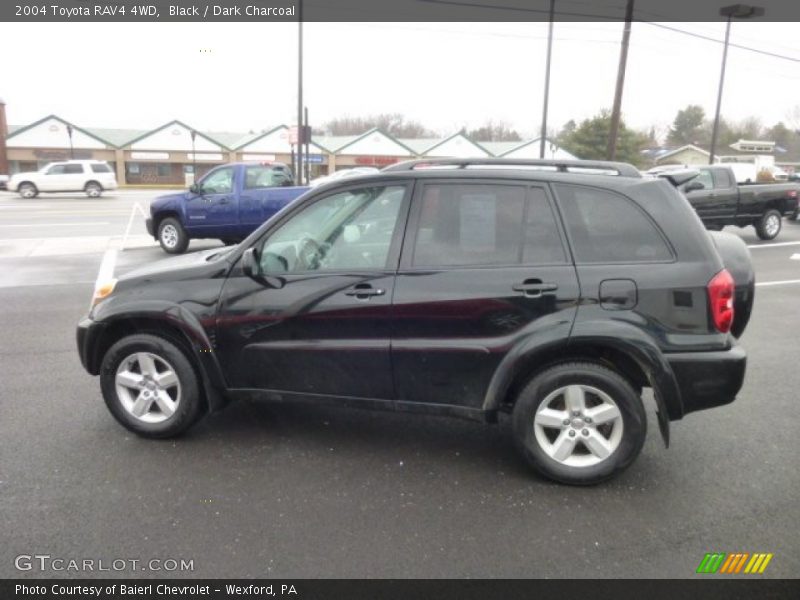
(87, 334)
(708, 379)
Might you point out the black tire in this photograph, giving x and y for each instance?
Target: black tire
(593, 376)
(27, 190)
(229, 242)
(769, 225)
(190, 403)
(714, 226)
(172, 236)
(793, 216)
(93, 189)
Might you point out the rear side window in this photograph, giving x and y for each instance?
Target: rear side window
(608, 228)
(723, 178)
(258, 176)
(73, 169)
(100, 168)
(478, 225)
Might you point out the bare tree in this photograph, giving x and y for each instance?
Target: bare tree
(394, 124)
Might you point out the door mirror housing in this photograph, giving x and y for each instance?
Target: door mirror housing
(250, 263)
(693, 186)
(196, 188)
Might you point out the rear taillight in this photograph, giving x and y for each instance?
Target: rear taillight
(720, 298)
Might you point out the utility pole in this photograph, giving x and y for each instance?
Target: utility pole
(71, 150)
(611, 151)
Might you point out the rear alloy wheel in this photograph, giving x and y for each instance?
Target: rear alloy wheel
(93, 190)
(28, 190)
(172, 236)
(769, 226)
(579, 423)
(150, 387)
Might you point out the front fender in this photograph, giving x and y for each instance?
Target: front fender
(175, 317)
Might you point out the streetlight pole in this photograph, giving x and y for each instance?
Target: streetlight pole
(543, 134)
(300, 131)
(739, 11)
(71, 150)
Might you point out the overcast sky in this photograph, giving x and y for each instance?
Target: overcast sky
(446, 75)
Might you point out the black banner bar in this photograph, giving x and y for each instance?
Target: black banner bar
(378, 10)
(406, 589)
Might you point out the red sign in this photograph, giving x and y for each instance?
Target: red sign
(376, 160)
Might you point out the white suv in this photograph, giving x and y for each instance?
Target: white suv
(90, 176)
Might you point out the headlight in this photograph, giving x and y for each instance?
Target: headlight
(106, 282)
(103, 290)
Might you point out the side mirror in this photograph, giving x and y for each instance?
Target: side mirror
(693, 186)
(195, 188)
(287, 183)
(250, 264)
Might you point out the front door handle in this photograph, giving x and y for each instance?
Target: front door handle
(224, 201)
(364, 291)
(533, 288)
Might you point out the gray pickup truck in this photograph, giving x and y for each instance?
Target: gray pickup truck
(719, 201)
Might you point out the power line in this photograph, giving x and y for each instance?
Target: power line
(711, 39)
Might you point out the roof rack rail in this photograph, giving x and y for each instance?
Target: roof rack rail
(563, 166)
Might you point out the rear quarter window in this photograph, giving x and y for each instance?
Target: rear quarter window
(605, 227)
(101, 168)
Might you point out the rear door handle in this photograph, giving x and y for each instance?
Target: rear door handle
(533, 288)
(364, 291)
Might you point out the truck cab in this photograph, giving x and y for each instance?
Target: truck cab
(228, 203)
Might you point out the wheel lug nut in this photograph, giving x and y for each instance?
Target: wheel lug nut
(576, 413)
(585, 432)
(571, 433)
(588, 419)
(566, 422)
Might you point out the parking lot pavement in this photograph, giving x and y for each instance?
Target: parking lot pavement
(279, 490)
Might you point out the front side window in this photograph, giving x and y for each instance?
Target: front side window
(349, 230)
(608, 228)
(56, 170)
(219, 181)
(480, 225)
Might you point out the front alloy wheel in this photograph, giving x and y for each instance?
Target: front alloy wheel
(172, 236)
(150, 386)
(28, 190)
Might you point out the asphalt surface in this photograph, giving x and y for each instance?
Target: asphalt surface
(266, 490)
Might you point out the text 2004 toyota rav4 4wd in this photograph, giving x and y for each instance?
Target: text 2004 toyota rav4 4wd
(551, 291)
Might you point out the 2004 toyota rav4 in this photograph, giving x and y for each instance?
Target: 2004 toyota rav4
(551, 291)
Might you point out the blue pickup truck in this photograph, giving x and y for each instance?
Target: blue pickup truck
(228, 204)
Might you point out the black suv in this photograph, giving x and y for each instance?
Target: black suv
(551, 291)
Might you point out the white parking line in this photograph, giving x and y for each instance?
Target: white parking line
(786, 282)
(795, 256)
(775, 245)
(58, 224)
